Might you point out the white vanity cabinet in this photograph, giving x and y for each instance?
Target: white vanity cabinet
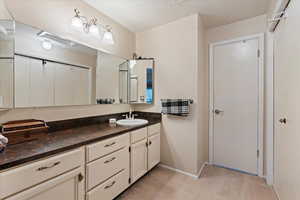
(153, 145)
(107, 169)
(57, 177)
(138, 160)
(145, 150)
(102, 170)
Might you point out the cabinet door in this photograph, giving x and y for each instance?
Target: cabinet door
(138, 160)
(69, 186)
(6, 83)
(22, 82)
(153, 151)
(41, 84)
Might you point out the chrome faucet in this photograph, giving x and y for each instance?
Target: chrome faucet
(130, 115)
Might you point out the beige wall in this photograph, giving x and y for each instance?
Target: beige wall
(203, 105)
(54, 16)
(4, 14)
(178, 68)
(239, 29)
(107, 81)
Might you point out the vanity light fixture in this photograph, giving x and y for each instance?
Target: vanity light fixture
(92, 27)
(108, 36)
(132, 63)
(47, 45)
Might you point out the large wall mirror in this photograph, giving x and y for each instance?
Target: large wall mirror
(39, 69)
(6, 63)
(141, 81)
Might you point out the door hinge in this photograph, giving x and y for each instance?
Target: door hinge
(129, 180)
(257, 153)
(129, 149)
(258, 53)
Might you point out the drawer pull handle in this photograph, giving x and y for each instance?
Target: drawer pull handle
(109, 186)
(80, 177)
(111, 144)
(48, 167)
(110, 160)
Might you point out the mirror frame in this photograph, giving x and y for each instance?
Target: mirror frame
(153, 87)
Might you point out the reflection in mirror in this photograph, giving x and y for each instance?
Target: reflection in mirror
(123, 82)
(111, 81)
(51, 71)
(141, 81)
(6, 63)
(39, 69)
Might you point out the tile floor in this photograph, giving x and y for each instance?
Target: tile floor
(214, 184)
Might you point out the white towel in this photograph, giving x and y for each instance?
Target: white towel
(3, 142)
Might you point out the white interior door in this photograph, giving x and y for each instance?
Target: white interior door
(41, 84)
(22, 82)
(82, 88)
(6, 83)
(287, 97)
(235, 107)
(64, 84)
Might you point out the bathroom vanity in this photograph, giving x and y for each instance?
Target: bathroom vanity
(91, 162)
(75, 159)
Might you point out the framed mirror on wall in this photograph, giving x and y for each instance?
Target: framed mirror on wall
(51, 71)
(40, 69)
(112, 79)
(7, 32)
(141, 72)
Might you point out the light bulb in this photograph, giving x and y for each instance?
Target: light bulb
(47, 45)
(108, 37)
(77, 22)
(94, 30)
(132, 63)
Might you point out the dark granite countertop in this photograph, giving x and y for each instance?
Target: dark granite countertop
(62, 140)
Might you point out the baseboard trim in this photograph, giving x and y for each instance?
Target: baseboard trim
(196, 176)
(276, 193)
(201, 169)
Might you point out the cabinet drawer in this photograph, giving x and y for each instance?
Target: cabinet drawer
(110, 188)
(154, 129)
(104, 168)
(138, 135)
(17, 179)
(100, 149)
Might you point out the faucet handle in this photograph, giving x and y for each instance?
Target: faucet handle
(125, 116)
(134, 115)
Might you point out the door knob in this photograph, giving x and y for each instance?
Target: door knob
(218, 111)
(283, 120)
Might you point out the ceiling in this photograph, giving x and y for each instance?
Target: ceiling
(140, 15)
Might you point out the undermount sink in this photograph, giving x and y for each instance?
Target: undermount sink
(132, 122)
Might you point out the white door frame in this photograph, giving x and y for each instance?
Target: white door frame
(260, 38)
